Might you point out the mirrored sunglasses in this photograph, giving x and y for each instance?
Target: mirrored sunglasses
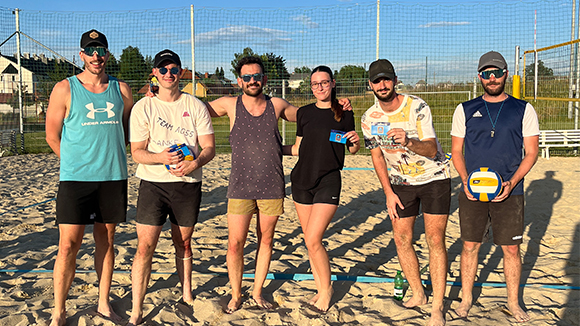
(248, 78)
(497, 73)
(174, 70)
(90, 51)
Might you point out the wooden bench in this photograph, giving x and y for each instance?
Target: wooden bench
(7, 141)
(558, 138)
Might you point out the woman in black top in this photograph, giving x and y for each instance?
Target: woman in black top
(323, 130)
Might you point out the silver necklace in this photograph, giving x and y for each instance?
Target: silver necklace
(497, 116)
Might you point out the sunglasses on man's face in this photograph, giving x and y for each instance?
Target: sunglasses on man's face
(91, 50)
(496, 73)
(174, 70)
(248, 78)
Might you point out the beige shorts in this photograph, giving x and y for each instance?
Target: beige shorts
(268, 207)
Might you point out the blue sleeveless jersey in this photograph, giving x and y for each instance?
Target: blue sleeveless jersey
(503, 152)
(92, 146)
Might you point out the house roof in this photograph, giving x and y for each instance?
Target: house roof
(40, 64)
(10, 69)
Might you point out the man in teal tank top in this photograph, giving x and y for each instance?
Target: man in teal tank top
(86, 126)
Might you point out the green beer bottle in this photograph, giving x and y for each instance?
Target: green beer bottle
(399, 283)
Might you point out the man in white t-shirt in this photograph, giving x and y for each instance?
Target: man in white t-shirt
(170, 183)
(413, 171)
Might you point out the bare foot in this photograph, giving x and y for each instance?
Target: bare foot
(463, 309)
(233, 305)
(323, 302)
(519, 314)
(314, 299)
(416, 300)
(437, 318)
(58, 320)
(135, 320)
(107, 313)
(262, 303)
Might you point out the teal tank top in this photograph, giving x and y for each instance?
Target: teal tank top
(92, 146)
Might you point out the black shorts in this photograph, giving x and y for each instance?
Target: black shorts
(80, 202)
(434, 197)
(506, 219)
(327, 191)
(179, 200)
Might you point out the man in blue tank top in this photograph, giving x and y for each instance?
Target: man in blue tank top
(86, 126)
(493, 129)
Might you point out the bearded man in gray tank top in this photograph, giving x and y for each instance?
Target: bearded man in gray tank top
(257, 178)
(86, 126)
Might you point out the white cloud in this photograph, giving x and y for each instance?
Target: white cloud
(443, 24)
(243, 33)
(306, 21)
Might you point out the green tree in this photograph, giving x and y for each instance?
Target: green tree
(543, 71)
(112, 66)
(238, 56)
(302, 70)
(134, 69)
(274, 68)
(351, 79)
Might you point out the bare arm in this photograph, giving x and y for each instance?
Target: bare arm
(219, 107)
(58, 105)
(459, 163)
(207, 144)
(292, 149)
(128, 105)
(383, 174)
(284, 109)
(143, 156)
(530, 157)
(427, 147)
(353, 143)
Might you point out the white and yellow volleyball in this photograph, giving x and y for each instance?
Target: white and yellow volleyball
(484, 184)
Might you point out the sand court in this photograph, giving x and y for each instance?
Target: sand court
(359, 242)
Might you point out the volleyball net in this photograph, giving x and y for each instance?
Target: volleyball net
(434, 48)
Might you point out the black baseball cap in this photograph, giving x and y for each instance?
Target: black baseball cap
(381, 68)
(491, 59)
(94, 37)
(166, 55)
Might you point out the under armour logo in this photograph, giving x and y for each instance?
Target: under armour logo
(91, 115)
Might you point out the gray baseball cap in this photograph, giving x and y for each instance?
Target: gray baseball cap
(491, 59)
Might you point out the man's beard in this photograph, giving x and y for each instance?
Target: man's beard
(387, 97)
(496, 92)
(253, 92)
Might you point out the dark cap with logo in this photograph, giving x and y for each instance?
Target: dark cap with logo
(491, 59)
(381, 68)
(94, 37)
(166, 55)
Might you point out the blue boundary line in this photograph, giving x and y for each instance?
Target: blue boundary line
(25, 207)
(309, 277)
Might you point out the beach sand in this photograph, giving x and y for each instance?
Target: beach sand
(359, 242)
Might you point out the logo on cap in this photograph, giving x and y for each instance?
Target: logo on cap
(94, 35)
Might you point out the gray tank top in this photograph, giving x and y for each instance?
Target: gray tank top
(256, 155)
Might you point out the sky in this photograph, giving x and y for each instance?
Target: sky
(114, 5)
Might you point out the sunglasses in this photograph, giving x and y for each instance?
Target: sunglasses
(90, 51)
(248, 78)
(497, 73)
(174, 70)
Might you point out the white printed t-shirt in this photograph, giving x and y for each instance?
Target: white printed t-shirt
(165, 124)
(406, 167)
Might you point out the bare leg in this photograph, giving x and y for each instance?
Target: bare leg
(182, 241)
(469, 256)
(435, 226)
(304, 212)
(148, 236)
(512, 266)
(266, 226)
(238, 226)
(104, 235)
(70, 239)
(403, 234)
(314, 225)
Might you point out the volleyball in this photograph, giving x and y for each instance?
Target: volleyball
(484, 184)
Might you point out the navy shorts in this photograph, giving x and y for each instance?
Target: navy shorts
(506, 219)
(178, 200)
(434, 197)
(80, 202)
(327, 191)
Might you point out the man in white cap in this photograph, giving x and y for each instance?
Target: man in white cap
(170, 183)
(493, 130)
(413, 171)
(86, 126)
